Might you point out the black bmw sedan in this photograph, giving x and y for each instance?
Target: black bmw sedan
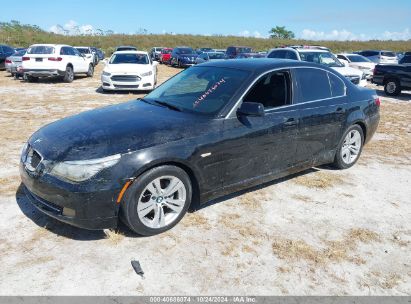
(211, 130)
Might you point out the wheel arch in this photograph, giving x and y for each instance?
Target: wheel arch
(194, 177)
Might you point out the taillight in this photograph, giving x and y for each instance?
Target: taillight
(55, 58)
(8, 61)
(377, 101)
(26, 58)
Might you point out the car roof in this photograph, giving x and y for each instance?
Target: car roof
(131, 52)
(260, 65)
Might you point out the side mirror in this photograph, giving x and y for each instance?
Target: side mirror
(251, 109)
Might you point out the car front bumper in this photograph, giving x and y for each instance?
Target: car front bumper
(143, 84)
(72, 204)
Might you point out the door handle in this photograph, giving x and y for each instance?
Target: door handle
(290, 122)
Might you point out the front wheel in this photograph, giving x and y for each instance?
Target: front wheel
(90, 71)
(350, 148)
(157, 200)
(392, 87)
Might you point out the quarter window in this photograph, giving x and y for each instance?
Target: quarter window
(313, 84)
(337, 86)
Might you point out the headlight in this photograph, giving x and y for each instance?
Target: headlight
(147, 74)
(78, 171)
(106, 73)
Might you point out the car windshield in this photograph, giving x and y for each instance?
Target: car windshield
(388, 54)
(358, 58)
(41, 49)
(19, 53)
(83, 51)
(126, 48)
(216, 55)
(186, 51)
(324, 58)
(166, 51)
(129, 59)
(201, 90)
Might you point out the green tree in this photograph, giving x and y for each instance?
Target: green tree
(280, 32)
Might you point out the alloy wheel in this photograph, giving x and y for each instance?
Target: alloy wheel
(161, 202)
(351, 147)
(391, 87)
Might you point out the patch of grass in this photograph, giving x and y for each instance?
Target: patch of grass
(319, 180)
(334, 251)
(195, 219)
(114, 236)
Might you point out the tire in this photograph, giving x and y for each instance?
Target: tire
(32, 78)
(157, 217)
(392, 87)
(69, 75)
(349, 148)
(90, 71)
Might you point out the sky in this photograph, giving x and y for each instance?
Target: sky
(308, 19)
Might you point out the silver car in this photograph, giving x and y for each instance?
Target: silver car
(210, 56)
(14, 62)
(380, 56)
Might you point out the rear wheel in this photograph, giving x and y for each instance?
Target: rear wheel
(350, 148)
(392, 87)
(157, 200)
(69, 75)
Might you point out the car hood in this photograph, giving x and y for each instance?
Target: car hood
(111, 130)
(127, 68)
(369, 65)
(347, 71)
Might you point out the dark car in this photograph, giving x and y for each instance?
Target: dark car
(5, 51)
(234, 51)
(125, 48)
(211, 130)
(250, 55)
(406, 58)
(394, 77)
(100, 54)
(183, 57)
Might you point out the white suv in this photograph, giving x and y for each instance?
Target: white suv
(47, 60)
(322, 56)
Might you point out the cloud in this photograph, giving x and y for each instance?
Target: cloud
(247, 33)
(73, 28)
(344, 35)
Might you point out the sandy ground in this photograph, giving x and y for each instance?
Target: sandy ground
(321, 232)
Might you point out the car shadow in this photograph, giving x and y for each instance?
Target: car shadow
(54, 79)
(108, 92)
(404, 96)
(198, 207)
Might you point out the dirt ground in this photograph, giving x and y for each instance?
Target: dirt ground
(321, 232)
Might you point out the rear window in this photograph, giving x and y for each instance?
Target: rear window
(41, 49)
(244, 50)
(388, 54)
(19, 53)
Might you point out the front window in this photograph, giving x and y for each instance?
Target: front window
(358, 58)
(202, 90)
(41, 50)
(129, 59)
(324, 58)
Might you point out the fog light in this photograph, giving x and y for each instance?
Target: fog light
(147, 85)
(69, 212)
(105, 84)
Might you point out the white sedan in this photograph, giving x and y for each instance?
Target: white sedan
(129, 70)
(358, 62)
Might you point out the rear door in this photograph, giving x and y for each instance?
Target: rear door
(81, 62)
(321, 103)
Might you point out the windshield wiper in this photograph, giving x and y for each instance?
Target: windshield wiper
(162, 103)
